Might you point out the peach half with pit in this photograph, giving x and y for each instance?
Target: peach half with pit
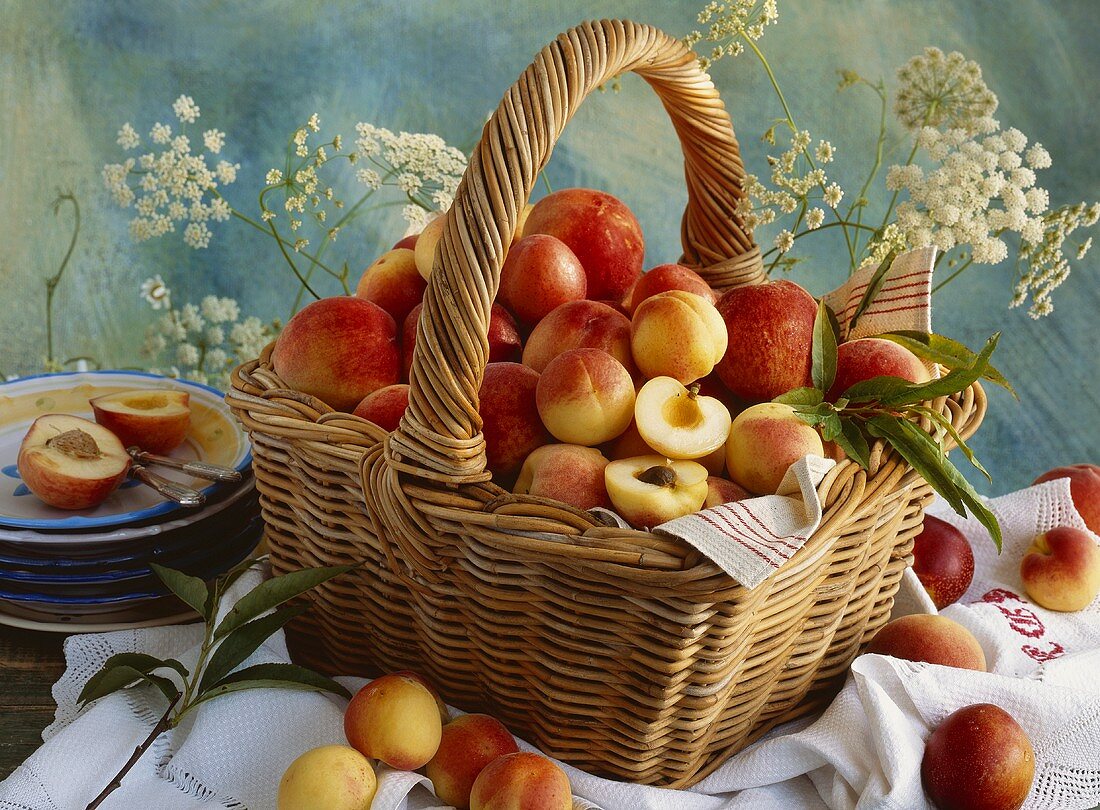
(154, 420)
(650, 490)
(71, 463)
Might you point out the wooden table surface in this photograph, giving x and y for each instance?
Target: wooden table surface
(30, 663)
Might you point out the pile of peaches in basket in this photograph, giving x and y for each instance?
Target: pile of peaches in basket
(605, 386)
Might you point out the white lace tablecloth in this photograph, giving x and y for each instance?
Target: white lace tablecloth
(864, 751)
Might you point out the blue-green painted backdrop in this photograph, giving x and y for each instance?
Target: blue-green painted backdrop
(71, 72)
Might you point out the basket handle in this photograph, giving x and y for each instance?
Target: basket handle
(440, 434)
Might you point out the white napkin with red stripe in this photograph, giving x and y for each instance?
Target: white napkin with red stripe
(751, 539)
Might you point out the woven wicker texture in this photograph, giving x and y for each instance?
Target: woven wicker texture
(622, 652)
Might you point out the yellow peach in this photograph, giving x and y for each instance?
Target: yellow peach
(395, 719)
(650, 490)
(677, 334)
(764, 441)
(585, 396)
(332, 777)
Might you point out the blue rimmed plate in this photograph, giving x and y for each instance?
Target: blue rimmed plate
(215, 436)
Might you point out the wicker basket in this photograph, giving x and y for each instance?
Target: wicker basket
(622, 652)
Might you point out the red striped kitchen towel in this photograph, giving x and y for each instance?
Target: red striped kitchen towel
(751, 539)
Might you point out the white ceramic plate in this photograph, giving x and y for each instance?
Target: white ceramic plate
(215, 436)
(76, 624)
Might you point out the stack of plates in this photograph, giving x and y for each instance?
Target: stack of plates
(89, 570)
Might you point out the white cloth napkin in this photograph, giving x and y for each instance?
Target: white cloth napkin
(864, 751)
(903, 301)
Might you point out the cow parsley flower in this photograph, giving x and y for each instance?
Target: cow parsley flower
(128, 137)
(213, 140)
(942, 90)
(185, 109)
(728, 24)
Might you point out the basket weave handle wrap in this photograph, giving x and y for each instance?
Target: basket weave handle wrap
(439, 437)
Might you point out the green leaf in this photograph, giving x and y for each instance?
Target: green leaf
(273, 592)
(801, 397)
(954, 381)
(854, 443)
(876, 389)
(831, 427)
(124, 664)
(272, 676)
(191, 590)
(948, 353)
(949, 429)
(114, 678)
(873, 287)
(823, 369)
(924, 456)
(244, 641)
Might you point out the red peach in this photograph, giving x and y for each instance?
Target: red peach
(539, 275)
(1061, 569)
(407, 241)
(510, 416)
(720, 490)
(1084, 488)
(665, 277)
(156, 421)
(385, 407)
(866, 358)
(339, 350)
(468, 745)
(393, 283)
(521, 781)
(930, 638)
(600, 230)
(585, 396)
(71, 463)
(565, 472)
(978, 757)
(943, 561)
(395, 719)
(770, 329)
(579, 325)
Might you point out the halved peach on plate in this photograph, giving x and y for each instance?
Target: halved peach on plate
(71, 463)
(154, 420)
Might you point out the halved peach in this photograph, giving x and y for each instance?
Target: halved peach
(650, 490)
(71, 463)
(677, 422)
(154, 420)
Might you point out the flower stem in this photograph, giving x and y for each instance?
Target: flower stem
(826, 226)
(879, 146)
(279, 240)
(162, 726)
(953, 276)
(55, 279)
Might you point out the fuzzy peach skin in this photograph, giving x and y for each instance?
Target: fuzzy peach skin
(394, 283)
(510, 417)
(579, 325)
(943, 561)
(677, 334)
(600, 230)
(540, 274)
(568, 473)
(521, 781)
(666, 277)
(469, 744)
(585, 396)
(866, 358)
(1084, 488)
(385, 407)
(1061, 569)
(426, 243)
(931, 638)
(156, 421)
(71, 463)
(332, 777)
(770, 328)
(721, 490)
(978, 757)
(407, 241)
(505, 343)
(764, 441)
(394, 719)
(444, 713)
(339, 350)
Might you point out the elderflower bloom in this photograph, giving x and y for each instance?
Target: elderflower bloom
(156, 292)
(128, 137)
(942, 90)
(185, 109)
(213, 140)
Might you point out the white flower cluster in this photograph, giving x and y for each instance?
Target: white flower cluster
(1048, 266)
(173, 185)
(205, 342)
(938, 90)
(729, 23)
(796, 181)
(981, 188)
(421, 165)
(156, 293)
